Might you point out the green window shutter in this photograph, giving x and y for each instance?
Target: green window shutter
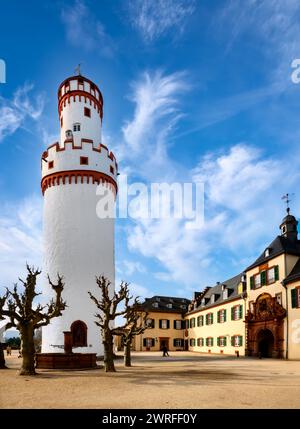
(153, 342)
(240, 340)
(153, 323)
(212, 342)
(218, 341)
(218, 316)
(212, 318)
(187, 324)
(225, 341)
(174, 324)
(294, 298)
(251, 282)
(232, 313)
(160, 323)
(206, 319)
(241, 312)
(232, 340)
(174, 343)
(225, 311)
(168, 324)
(144, 342)
(263, 278)
(206, 341)
(276, 269)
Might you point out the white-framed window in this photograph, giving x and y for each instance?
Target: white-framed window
(178, 342)
(164, 324)
(192, 342)
(271, 275)
(192, 322)
(209, 342)
(257, 281)
(237, 340)
(222, 316)
(209, 319)
(222, 341)
(178, 324)
(149, 342)
(200, 342)
(169, 305)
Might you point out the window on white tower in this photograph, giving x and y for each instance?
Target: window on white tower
(76, 126)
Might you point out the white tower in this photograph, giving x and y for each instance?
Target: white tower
(77, 243)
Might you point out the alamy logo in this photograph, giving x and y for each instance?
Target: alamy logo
(2, 71)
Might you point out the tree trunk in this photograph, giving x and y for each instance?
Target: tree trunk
(127, 354)
(108, 353)
(28, 351)
(2, 359)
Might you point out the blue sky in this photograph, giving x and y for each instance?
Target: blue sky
(193, 90)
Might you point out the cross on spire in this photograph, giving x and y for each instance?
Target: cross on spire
(77, 70)
(287, 198)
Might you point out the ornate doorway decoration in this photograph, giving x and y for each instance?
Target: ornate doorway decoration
(264, 327)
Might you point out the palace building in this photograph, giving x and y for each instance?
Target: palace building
(255, 313)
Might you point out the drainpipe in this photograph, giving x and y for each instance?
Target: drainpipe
(287, 322)
(287, 313)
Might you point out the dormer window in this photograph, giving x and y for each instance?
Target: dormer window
(212, 298)
(225, 293)
(76, 126)
(155, 305)
(267, 252)
(169, 305)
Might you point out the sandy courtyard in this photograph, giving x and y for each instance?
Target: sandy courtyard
(184, 380)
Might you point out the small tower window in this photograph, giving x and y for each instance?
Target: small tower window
(50, 164)
(267, 252)
(112, 170)
(84, 160)
(69, 134)
(61, 121)
(87, 112)
(80, 84)
(76, 127)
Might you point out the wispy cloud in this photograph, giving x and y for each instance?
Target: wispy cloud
(155, 18)
(84, 30)
(273, 24)
(14, 113)
(157, 111)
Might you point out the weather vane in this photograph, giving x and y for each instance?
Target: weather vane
(77, 69)
(287, 198)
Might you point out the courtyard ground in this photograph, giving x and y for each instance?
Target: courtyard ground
(184, 380)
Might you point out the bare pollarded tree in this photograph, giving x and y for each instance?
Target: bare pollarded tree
(136, 324)
(108, 305)
(19, 307)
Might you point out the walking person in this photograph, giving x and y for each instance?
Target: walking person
(165, 351)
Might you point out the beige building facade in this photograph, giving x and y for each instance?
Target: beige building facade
(255, 313)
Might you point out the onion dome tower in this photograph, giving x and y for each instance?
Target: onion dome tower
(78, 243)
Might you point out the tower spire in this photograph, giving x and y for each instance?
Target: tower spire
(77, 70)
(287, 198)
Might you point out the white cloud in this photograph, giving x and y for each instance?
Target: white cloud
(154, 19)
(84, 30)
(20, 238)
(157, 112)
(14, 113)
(243, 190)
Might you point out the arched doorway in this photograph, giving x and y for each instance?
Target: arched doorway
(265, 343)
(79, 334)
